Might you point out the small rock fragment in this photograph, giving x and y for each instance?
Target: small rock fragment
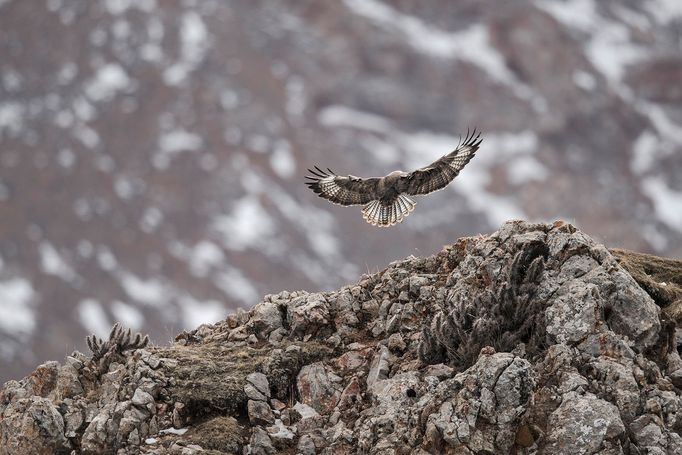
(396, 343)
(260, 382)
(260, 443)
(259, 413)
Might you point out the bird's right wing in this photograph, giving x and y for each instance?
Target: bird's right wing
(348, 190)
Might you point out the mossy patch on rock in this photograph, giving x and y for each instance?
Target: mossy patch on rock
(209, 378)
(222, 433)
(660, 277)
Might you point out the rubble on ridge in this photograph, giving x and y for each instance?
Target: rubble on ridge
(531, 340)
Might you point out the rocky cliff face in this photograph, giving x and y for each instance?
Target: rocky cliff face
(172, 137)
(534, 339)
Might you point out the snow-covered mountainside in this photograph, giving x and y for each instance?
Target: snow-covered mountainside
(152, 152)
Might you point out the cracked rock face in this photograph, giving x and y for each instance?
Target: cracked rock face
(533, 339)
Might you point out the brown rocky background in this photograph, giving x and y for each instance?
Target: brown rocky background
(152, 152)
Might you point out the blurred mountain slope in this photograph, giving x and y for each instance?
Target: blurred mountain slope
(151, 153)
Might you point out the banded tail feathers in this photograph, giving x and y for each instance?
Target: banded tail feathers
(377, 214)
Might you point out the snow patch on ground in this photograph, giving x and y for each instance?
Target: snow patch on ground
(152, 51)
(644, 152)
(178, 141)
(148, 292)
(665, 11)
(383, 151)
(667, 202)
(87, 136)
(668, 129)
(337, 115)
(236, 286)
(106, 259)
(173, 143)
(204, 256)
(92, 316)
(194, 40)
(524, 169)
(127, 314)
(123, 187)
(67, 73)
(611, 51)
(151, 219)
(195, 312)
(17, 315)
(579, 14)
(11, 80)
(52, 263)
(117, 7)
(11, 118)
(66, 158)
(107, 82)
(247, 226)
(282, 160)
(208, 259)
(584, 80)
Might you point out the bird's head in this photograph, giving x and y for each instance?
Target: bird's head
(398, 174)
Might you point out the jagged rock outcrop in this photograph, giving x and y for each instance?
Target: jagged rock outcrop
(531, 340)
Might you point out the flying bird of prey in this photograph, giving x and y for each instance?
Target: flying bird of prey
(387, 199)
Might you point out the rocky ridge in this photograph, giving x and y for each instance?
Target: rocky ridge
(534, 339)
(172, 137)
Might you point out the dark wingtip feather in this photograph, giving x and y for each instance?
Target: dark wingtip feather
(473, 138)
(317, 173)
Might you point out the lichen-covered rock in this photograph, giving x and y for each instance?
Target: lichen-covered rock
(260, 382)
(531, 340)
(32, 425)
(266, 317)
(307, 314)
(319, 387)
(585, 424)
(260, 443)
(260, 413)
(482, 407)
(537, 285)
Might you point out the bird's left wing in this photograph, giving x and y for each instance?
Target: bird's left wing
(438, 174)
(348, 190)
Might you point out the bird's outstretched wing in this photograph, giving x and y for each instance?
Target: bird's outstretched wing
(438, 174)
(348, 190)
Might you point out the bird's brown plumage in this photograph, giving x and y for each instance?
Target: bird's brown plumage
(387, 199)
